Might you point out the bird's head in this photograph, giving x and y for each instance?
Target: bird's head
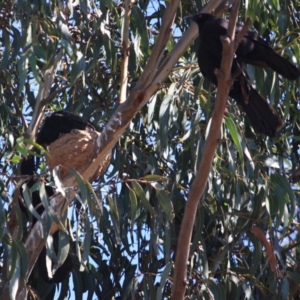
(201, 18)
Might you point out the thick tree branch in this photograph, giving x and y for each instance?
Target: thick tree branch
(198, 186)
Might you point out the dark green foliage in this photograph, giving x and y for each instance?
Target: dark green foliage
(124, 227)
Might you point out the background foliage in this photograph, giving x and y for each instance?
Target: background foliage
(127, 250)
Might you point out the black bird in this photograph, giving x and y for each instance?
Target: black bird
(54, 126)
(251, 50)
(58, 124)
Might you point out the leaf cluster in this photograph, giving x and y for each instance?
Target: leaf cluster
(122, 229)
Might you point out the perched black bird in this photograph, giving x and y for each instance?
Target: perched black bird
(251, 50)
(58, 124)
(54, 126)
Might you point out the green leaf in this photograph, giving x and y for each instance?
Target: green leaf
(141, 195)
(282, 194)
(39, 52)
(94, 203)
(166, 204)
(82, 185)
(115, 217)
(27, 198)
(22, 69)
(151, 108)
(109, 50)
(34, 67)
(153, 177)
(140, 23)
(68, 47)
(7, 49)
(13, 257)
(257, 203)
(129, 280)
(65, 31)
(164, 117)
(133, 206)
(16, 159)
(50, 55)
(23, 259)
(214, 289)
(78, 69)
(40, 186)
(15, 280)
(235, 137)
(232, 291)
(16, 44)
(86, 244)
(63, 248)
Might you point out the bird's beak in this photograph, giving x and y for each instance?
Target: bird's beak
(193, 17)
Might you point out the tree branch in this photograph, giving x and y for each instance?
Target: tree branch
(261, 236)
(200, 181)
(125, 50)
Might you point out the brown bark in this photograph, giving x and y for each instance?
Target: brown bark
(269, 248)
(224, 83)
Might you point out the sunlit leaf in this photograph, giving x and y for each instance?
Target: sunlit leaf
(140, 24)
(78, 68)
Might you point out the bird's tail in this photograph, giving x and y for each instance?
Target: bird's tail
(262, 116)
(265, 56)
